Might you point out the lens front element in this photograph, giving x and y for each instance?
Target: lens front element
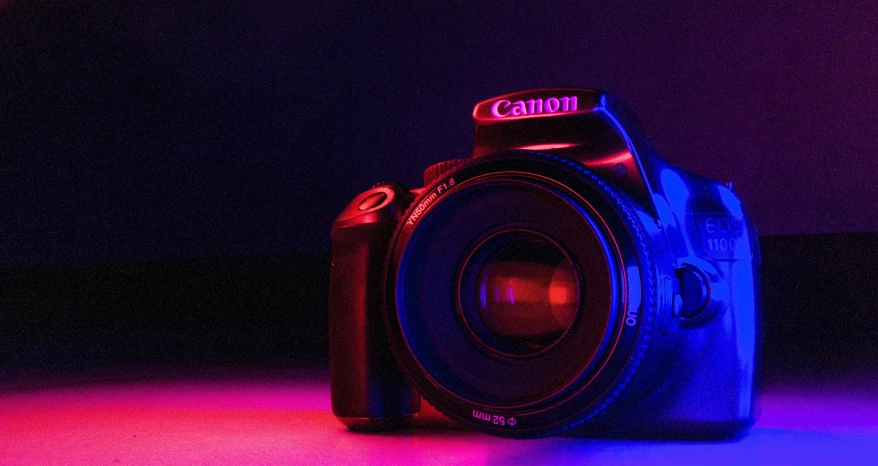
(526, 293)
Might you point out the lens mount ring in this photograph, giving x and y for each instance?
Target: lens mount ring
(612, 373)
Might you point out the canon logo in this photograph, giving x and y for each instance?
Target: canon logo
(504, 108)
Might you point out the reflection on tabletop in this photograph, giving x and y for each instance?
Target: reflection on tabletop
(285, 418)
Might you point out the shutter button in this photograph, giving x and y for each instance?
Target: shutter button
(372, 200)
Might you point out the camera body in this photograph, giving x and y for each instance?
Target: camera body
(564, 279)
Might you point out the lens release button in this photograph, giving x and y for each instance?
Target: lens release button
(694, 291)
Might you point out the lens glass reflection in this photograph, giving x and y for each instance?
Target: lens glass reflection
(527, 291)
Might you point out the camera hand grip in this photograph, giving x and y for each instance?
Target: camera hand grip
(368, 390)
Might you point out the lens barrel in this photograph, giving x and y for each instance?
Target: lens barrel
(509, 290)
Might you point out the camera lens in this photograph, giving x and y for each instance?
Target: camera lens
(491, 282)
(508, 284)
(526, 293)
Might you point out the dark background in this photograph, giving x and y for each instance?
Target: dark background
(168, 129)
(169, 170)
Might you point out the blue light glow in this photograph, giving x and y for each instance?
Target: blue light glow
(675, 190)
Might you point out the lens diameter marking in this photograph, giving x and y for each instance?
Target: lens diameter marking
(495, 419)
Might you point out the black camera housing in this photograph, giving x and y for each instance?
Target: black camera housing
(636, 283)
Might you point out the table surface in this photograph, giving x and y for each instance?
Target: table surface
(285, 418)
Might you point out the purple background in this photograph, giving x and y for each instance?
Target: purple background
(167, 129)
(140, 130)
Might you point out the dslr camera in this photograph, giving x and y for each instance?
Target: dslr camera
(562, 279)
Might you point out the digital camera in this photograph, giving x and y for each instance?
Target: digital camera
(563, 279)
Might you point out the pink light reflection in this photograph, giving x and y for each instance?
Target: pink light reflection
(277, 419)
(549, 146)
(613, 159)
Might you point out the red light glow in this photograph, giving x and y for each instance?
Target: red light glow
(286, 419)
